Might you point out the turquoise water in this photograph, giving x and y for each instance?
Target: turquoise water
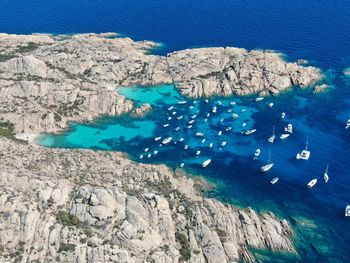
(233, 170)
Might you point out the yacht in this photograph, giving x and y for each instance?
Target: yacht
(206, 119)
(228, 129)
(203, 141)
(325, 175)
(157, 138)
(173, 113)
(194, 116)
(259, 99)
(206, 163)
(208, 114)
(182, 165)
(250, 132)
(198, 152)
(167, 140)
(220, 133)
(141, 156)
(181, 139)
(149, 155)
(270, 104)
(223, 143)
(272, 137)
(311, 183)
(155, 152)
(305, 154)
(199, 134)
(169, 118)
(182, 102)
(274, 180)
(257, 153)
(180, 117)
(191, 121)
(244, 124)
(189, 126)
(347, 124)
(283, 115)
(171, 107)
(166, 125)
(284, 136)
(191, 107)
(347, 210)
(146, 150)
(177, 128)
(214, 109)
(210, 145)
(267, 166)
(186, 147)
(235, 116)
(206, 101)
(289, 128)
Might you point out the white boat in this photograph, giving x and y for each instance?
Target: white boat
(267, 166)
(203, 141)
(206, 163)
(229, 110)
(244, 124)
(214, 109)
(171, 107)
(155, 152)
(141, 156)
(243, 110)
(222, 120)
(274, 180)
(157, 138)
(167, 140)
(189, 126)
(259, 99)
(249, 132)
(173, 113)
(191, 107)
(325, 175)
(305, 154)
(228, 129)
(347, 210)
(235, 116)
(220, 133)
(206, 101)
(206, 119)
(166, 125)
(186, 147)
(182, 102)
(210, 145)
(232, 103)
(272, 137)
(289, 128)
(283, 115)
(208, 114)
(191, 121)
(257, 153)
(347, 124)
(199, 134)
(219, 103)
(284, 136)
(146, 150)
(180, 117)
(149, 155)
(223, 143)
(198, 152)
(181, 139)
(169, 118)
(182, 165)
(270, 104)
(194, 116)
(312, 183)
(177, 128)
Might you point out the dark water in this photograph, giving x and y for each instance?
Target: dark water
(317, 30)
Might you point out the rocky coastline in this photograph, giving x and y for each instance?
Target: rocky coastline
(61, 205)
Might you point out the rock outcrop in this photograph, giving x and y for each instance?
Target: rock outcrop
(47, 80)
(87, 206)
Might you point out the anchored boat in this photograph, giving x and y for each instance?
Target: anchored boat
(312, 183)
(305, 154)
(268, 166)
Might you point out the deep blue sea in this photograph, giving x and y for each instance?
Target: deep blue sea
(316, 30)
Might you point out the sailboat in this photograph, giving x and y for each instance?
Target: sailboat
(325, 175)
(267, 166)
(256, 154)
(305, 154)
(272, 138)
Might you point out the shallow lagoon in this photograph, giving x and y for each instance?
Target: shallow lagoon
(233, 170)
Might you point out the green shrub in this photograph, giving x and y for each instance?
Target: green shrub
(67, 219)
(185, 249)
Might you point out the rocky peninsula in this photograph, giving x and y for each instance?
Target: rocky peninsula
(60, 205)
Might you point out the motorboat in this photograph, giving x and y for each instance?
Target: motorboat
(347, 124)
(173, 113)
(182, 165)
(325, 175)
(274, 180)
(181, 139)
(259, 99)
(210, 145)
(186, 147)
(167, 140)
(191, 121)
(198, 152)
(250, 132)
(166, 125)
(214, 109)
(180, 117)
(284, 136)
(289, 128)
(347, 210)
(243, 110)
(267, 166)
(171, 107)
(189, 127)
(233, 103)
(223, 143)
(244, 124)
(228, 129)
(222, 120)
(229, 110)
(191, 107)
(283, 115)
(220, 133)
(271, 139)
(141, 156)
(177, 128)
(206, 163)
(206, 101)
(155, 152)
(182, 102)
(270, 104)
(146, 150)
(169, 118)
(199, 134)
(149, 155)
(194, 116)
(305, 154)
(235, 115)
(203, 141)
(219, 103)
(157, 138)
(312, 183)
(208, 114)
(206, 119)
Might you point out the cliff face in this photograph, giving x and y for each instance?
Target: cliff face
(46, 80)
(86, 206)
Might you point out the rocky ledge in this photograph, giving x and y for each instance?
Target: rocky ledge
(47, 80)
(62, 205)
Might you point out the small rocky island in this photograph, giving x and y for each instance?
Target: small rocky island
(61, 205)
